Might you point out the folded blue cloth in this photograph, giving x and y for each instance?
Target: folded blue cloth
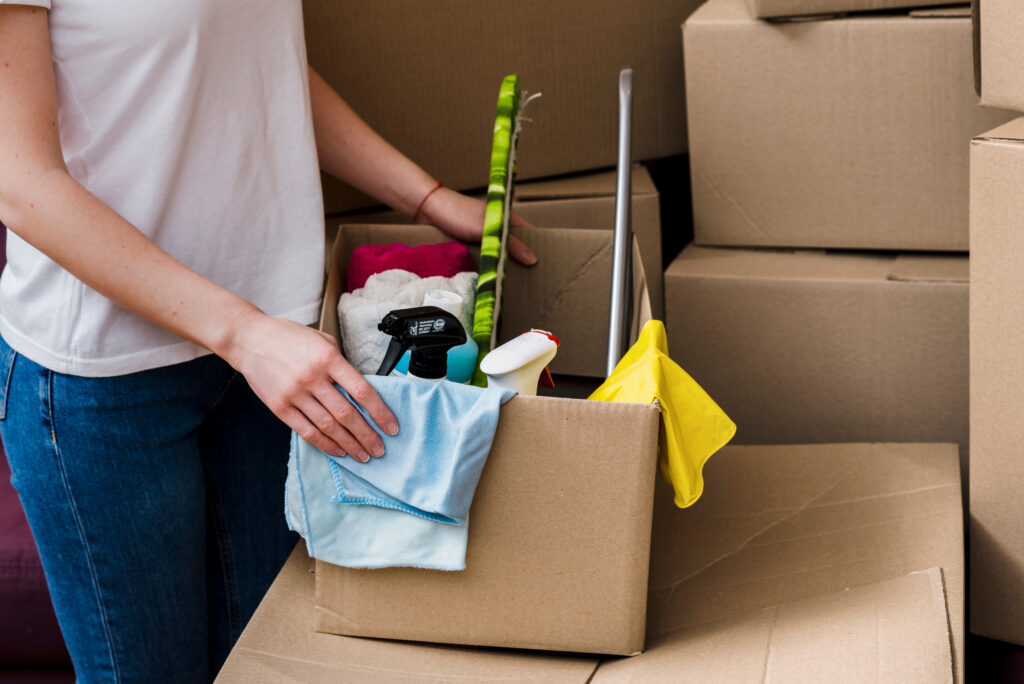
(409, 507)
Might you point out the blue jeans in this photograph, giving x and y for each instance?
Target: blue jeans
(156, 500)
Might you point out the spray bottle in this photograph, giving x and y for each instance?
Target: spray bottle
(428, 332)
(518, 363)
(461, 359)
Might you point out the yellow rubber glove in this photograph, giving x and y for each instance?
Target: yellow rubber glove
(693, 426)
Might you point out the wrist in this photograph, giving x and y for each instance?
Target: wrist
(230, 343)
(420, 212)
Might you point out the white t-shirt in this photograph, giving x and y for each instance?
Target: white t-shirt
(191, 119)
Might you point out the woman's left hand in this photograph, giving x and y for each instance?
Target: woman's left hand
(462, 217)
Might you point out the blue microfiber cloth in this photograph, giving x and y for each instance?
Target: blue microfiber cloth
(409, 507)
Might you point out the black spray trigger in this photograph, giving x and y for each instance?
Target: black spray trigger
(429, 332)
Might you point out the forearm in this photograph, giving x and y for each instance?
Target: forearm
(353, 152)
(63, 220)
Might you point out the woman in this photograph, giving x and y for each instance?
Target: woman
(158, 173)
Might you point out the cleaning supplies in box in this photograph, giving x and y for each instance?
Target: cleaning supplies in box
(409, 507)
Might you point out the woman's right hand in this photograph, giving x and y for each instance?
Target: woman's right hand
(293, 369)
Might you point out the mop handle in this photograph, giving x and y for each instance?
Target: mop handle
(619, 314)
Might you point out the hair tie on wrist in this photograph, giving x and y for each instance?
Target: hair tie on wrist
(416, 215)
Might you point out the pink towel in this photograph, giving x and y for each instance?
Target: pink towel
(445, 259)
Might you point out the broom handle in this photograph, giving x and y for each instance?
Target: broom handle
(622, 281)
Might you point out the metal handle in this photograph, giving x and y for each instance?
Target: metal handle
(622, 277)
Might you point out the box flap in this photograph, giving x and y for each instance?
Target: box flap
(930, 269)
(712, 262)
(280, 645)
(890, 631)
(1012, 132)
(956, 12)
(776, 9)
(779, 523)
(600, 184)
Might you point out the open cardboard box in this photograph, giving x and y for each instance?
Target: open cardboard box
(822, 563)
(559, 531)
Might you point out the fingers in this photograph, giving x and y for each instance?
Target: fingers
(340, 446)
(337, 418)
(362, 391)
(519, 252)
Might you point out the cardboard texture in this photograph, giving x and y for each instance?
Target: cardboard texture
(567, 291)
(997, 375)
(847, 133)
(428, 80)
(782, 523)
(777, 525)
(540, 512)
(809, 346)
(801, 8)
(1000, 25)
(892, 631)
(583, 201)
(279, 645)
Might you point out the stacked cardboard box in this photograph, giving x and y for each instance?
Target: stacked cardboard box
(997, 379)
(830, 166)
(844, 133)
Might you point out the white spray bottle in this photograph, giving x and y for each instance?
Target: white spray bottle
(518, 363)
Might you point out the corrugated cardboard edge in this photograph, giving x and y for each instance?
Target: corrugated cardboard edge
(765, 9)
(913, 268)
(976, 40)
(698, 261)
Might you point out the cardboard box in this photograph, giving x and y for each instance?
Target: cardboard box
(997, 378)
(427, 79)
(847, 133)
(540, 515)
(999, 26)
(584, 201)
(566, 292)
(831, 534)
(825, 347)
(801, 8)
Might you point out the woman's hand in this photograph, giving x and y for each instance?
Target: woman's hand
(293, 368)
(462, 217)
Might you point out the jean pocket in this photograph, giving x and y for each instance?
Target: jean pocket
(7, 356)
